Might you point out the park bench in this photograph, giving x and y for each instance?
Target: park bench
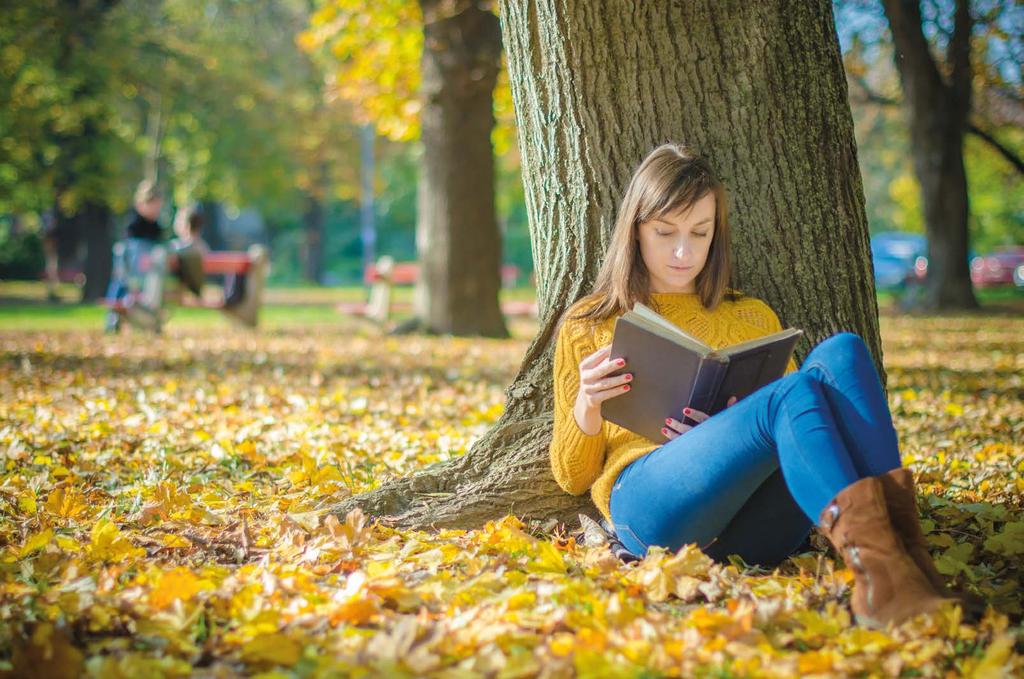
(385, 273)
(140, 272)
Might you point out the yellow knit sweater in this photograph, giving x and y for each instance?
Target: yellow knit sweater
(581, 462)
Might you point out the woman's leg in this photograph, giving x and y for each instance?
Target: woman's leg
(770, 525)
(853, 390)
(768, 528)
(691, 488)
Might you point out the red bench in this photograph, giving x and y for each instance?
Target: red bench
(214, 262)
(381, 275)
(407, 273)
(252, 265)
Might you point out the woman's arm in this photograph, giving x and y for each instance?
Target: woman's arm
(577, 459)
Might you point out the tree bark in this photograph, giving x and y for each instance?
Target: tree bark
(759, 87)
(938, 108)
(458, 242)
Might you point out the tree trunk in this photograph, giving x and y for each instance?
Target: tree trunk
(312, 247)
(760, 88)
(80, 163)
(938, 111)
(95, 223)
(458, 242)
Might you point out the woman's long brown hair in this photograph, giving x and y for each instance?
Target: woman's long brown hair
(670, 178)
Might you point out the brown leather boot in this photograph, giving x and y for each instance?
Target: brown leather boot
(901, 501)
(888, 586)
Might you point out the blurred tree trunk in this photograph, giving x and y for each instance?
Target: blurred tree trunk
(80, 163)
(760, 88)
(938, 107)
(458, 242)
(212, 232)
(97, 229)
(312, 247)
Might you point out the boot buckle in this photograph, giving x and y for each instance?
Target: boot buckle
(830, 516)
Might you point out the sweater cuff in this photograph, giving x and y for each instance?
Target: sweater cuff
(581, 443)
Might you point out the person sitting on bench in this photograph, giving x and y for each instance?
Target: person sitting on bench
(144, 234)
(189, 247)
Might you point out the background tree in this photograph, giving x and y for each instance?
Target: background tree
(938, 95)
(439, 61)
(214, 99)
(60, 137)
(760, 88)
(993, 136)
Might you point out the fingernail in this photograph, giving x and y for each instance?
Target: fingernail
(627, 387)
(664, 431)
(668, 421)
(620, 361)
(686, 410)
(629, 377)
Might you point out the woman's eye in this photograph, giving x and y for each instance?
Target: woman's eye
(666, 233)
(700, 235)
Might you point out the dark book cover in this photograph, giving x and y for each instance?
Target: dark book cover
(672, 370)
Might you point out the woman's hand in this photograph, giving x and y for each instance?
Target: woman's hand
(674, 428)
(596, 387)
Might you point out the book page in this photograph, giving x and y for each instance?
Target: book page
(652, 320)
(758, 341)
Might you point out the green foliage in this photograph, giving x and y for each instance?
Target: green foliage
(21, 253)
(60, 136)
(215, 97)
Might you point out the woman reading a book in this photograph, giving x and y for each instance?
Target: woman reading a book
(816, 446)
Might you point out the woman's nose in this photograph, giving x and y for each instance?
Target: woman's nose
(679, 252)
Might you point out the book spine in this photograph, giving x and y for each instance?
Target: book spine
(709, 379)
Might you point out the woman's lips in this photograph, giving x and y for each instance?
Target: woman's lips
(680, 268)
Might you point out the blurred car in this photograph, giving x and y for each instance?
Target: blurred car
(1000, 267)
(898, 258)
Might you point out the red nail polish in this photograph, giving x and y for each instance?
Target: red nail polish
(620, 361)
(628, 378)
(668, 421)
(627, 388)
(664, 431)
(686, 410)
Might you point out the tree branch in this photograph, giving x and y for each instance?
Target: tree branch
(1013, 158)
(869, 96)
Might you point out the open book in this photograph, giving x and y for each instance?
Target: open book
(672, 370)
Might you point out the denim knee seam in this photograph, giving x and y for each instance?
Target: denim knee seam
(812, 513)
(823, 368)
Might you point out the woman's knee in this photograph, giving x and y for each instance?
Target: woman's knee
(797, 381)
(797, 386)
(838, 349)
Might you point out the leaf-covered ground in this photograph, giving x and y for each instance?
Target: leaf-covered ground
(161, 513)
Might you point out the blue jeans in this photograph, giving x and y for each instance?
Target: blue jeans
(752, 479)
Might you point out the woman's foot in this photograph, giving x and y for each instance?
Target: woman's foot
(901, 501)
(888, 586)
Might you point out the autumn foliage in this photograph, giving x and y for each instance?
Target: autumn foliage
(162, 513)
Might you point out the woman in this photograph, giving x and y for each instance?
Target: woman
(817, 445)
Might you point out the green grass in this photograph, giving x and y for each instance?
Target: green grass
(23, 306)
(994, 298)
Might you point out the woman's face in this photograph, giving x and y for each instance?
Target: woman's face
(675, 247)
